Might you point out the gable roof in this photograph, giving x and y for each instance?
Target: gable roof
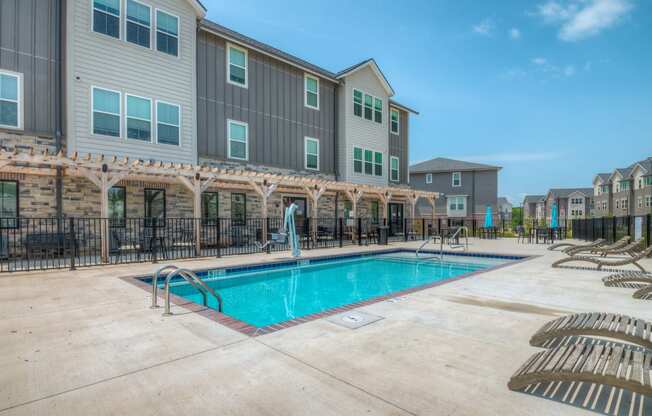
(239, 38)
(371, 63)
(604, 177)
(503, 201)
(400, 106)
(646, 165)
(532, 199)
(566, 192)
(442, 164)
(200, 9)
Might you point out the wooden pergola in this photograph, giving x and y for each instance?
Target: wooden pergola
(105, 172)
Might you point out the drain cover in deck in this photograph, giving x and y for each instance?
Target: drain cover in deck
(353, 319)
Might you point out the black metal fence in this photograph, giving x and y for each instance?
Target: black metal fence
(613, 228)
(55, 243)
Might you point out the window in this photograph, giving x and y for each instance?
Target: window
(138, 23)
(640, 202)
(168, 123)
(357, 103)
(648, 201)
(648, 180)
(368, 162)
(617, 203)
(10, 97)
(378, 110)
(139, 118)
(456, 203)
(393, 173)
(154, 207)
(605, 189)
(117, 206)
(394, 120)
(106, 17)
(311, 92)
(106, 112)
(378, 164)
(457, 179)
(237, 66)
(209, 208)
(357, 160)
(167, 33)
(368, 106)
(624, 185)
(8, 204)
(311, 153)
(375, 212)
(640, 183)
(238, 209)
(238, 134)
(428, 177)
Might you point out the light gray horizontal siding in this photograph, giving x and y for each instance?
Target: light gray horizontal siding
(272, 105)
(98, 60)
(28, 33)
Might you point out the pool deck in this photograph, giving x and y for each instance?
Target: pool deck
(86, 342)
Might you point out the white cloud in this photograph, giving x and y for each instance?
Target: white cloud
(569, 71)
(543, 66)
(539, 61)
(484, 28)
(511, 157)
(588, 65)
(514, 33)
(581, 19)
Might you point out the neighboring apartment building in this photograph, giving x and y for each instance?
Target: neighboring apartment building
(153, 80)
(504, 209)
(625, 191)
(467, 188)
(533, 208)
(572, 203)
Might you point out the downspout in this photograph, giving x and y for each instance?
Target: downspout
(59, 102)
(335, 137)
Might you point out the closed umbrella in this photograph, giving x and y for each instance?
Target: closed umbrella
(553, 220)
(488, 219)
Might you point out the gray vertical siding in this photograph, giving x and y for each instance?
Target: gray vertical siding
(272, 105)
(28, 33)
(398, 146)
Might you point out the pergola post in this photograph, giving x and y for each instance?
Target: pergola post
(264, 191)
(314, 194)
(384, 199)
(354, 196)
(196, 187)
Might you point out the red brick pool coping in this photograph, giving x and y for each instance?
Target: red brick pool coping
(253, 331)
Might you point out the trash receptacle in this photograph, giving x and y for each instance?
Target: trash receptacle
(382, 235)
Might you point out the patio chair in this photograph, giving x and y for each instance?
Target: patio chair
(603, 325)
(620, 366)
(598, 250)
(606, 262)
(521, 234)
(631, 249)
(631, 279)
(593, 244)
(644, 293)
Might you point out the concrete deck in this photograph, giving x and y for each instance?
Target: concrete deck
(86, 342)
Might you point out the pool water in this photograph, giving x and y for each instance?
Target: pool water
(272, 295)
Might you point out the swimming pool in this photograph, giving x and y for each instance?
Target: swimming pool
(264, 295)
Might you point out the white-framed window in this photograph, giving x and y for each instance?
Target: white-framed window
(378, 164)
(139, 118)
(11, 95)
(357, 159)
(236, 66)
(311, 149)
(357, 103)
(648, 201)
(378, 110)
(640, 202)
(106, 17)
(107, 112)
(138, 23)
(367, 106)
(428, 178)
(368, 162)
(167, 33)
(456, 203)
(395, 121)
(457, 179)
(311, 92)
(394, 170)
(238, 138)
(168, 123)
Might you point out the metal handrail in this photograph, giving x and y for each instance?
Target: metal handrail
(455, 235)
(155, 277)
(434, 238)
(196, 282)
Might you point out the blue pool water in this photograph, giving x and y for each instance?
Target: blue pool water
(262, 297)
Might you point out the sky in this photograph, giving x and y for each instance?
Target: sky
(552, 91)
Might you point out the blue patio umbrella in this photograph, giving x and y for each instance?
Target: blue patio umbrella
(553, 220)
(488, 219)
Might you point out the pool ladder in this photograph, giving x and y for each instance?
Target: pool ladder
(434, 240)
(190, 277)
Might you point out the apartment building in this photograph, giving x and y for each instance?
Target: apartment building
(533, 208)
(154, 82)
(625, 191)
(504, 209)
(468, 188)
(572, 203)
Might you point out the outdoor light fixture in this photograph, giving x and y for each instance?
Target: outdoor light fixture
(105, 167)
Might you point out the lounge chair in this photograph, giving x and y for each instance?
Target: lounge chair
(602, 262)
(598, 250)
(619, 366)
(630, 279)
(568, 246)
(606, 325)
(644, 293)
(632, 249)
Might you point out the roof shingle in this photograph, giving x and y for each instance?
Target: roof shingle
(442, 164)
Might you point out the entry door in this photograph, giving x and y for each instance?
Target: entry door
(395, 216)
